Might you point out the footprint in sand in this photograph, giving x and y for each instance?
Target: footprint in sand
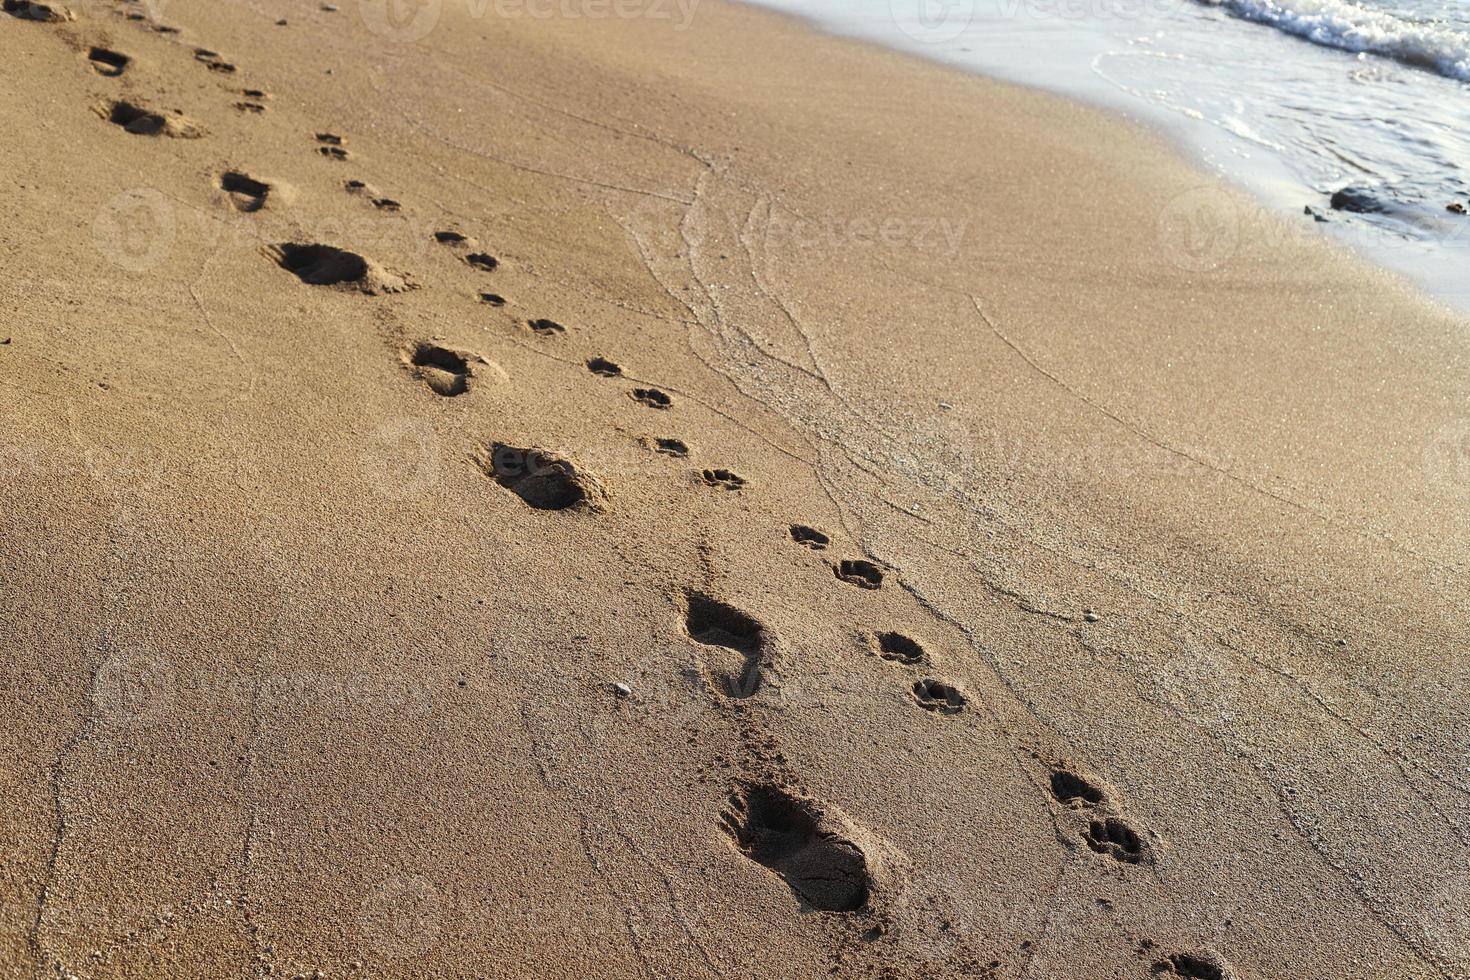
(545, 327)
(331, 147)
(717, 624)
(651, 397)
(1194, 966)
(108, 62)
(604, 368)
(446, 372)
(722, 479)
(325, 265)
(254, 107)
(213, 61)
(899, 649)
(30, 10)
(933, 695)
(809, 537)
(671, 447)
(142, 121)
(386, 204)
(808, 844)
(855, 571)
(1102, 824)
(492, 299)
(542, 480)
(450, 238)
(483, 261)
(245, 192)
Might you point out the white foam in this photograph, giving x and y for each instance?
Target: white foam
(1350, 27)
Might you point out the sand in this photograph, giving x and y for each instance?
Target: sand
(683, 496)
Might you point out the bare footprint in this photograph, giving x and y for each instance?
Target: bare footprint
(245, 192)
(1194, 966)
(483, 261)
(713, 623)
(938, 696)
(651, 397)
(602, 367)
(809, 537)
(541, 480)
(808, 844)
(30, 10)
(446, 372)
(855, 571)
(326, 265)
(142, 121)
(492, 299)
(213, 61)
(545, 327)
(671, 447)
(722, 479)
(108, 62)
(900, 649)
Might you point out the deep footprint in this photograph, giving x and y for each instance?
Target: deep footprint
(938, 696)
(546, 327)
(246, 193)
(863, 574)
(541, 480)
(1075, 790)
(1194, 966)
(142, 121)
(480, 260)
(445, 372)
(325, 265)
(900, 649)
(30, 10)
(603, 367)
(671, 447)
(717, 624)
(804, 843)
(809, 537)
(107, 62)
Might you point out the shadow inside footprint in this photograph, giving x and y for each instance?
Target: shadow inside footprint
(1070, 788)
(671, 447)
(714, 623)
(1194, 966)
(651, 397)
(722, 479)
(107, 62)
(30, 10)
(480, 260)
(325, 265)
(809, 537)
(602, 366)
(540, 479)
(803, 843)
(545, 327)
(246, 193)
(863, 574)
(1112, 836)
(938, 696)
(141, 121)
(446, 373)
(900, 649)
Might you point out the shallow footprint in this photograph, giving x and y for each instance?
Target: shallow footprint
(900, 649)
(546, 327)
(671, 447)
(722, 479)
(326, 265)
(651, 397)
(142, 121)
(809, 537)
(603, 367)
(1194, 966)
(938, 696)
(808, 845)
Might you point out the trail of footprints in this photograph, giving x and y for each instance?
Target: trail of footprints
(828, 862)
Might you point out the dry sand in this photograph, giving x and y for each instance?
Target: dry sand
(1022, 556)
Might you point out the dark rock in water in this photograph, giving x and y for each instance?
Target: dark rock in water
(1357, 200)
(1313, 212)
(1455, 207)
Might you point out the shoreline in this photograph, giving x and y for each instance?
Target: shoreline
(564, 498)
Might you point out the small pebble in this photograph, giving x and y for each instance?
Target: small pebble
(330, 8)
(622, 690)
(1090, 615)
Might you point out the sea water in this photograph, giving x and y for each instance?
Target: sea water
(1301, 101)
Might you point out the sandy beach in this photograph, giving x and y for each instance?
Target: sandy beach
(657, 491)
